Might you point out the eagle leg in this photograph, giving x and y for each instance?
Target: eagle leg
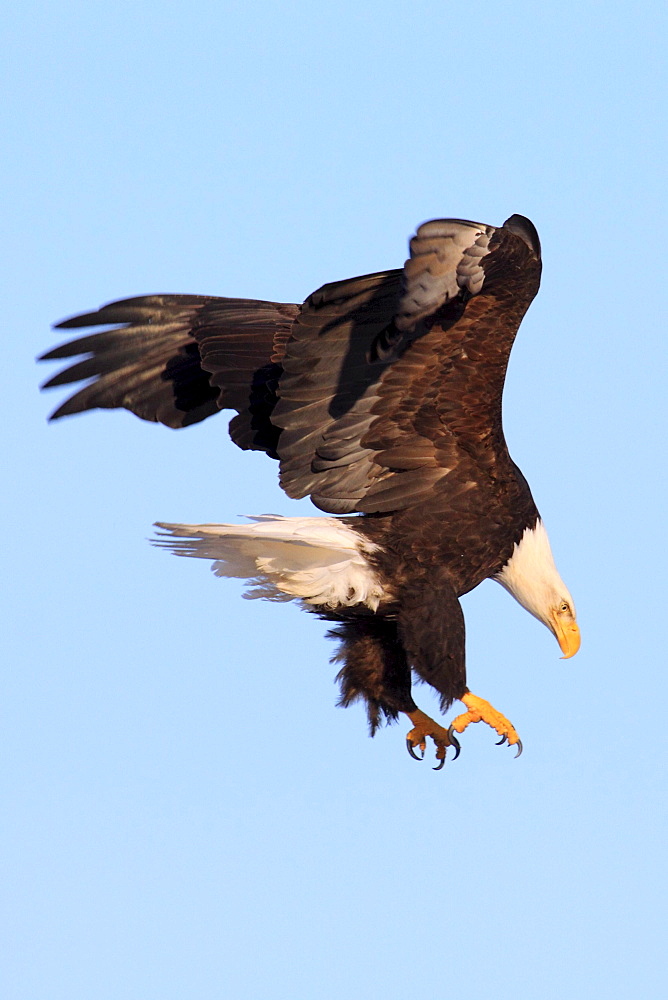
(480, 710)
(424, 726)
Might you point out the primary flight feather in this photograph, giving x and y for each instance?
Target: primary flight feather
(380, 397)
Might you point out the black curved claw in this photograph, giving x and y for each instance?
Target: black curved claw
(409, 747)
(519, 749)
(455, 743)
(501, 741)
(440, 764)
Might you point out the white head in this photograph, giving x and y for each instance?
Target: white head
(532, 578)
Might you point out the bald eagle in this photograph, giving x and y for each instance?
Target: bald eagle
(380, 398)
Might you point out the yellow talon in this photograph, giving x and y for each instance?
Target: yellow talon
(423, 726)
(480, 710)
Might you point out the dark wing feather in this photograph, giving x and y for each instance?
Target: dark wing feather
(153, 366)
(393, 381)
(371, 394)
(328, 389)
(242, 343)
(150, 365)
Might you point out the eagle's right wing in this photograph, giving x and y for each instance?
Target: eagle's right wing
(393, 381)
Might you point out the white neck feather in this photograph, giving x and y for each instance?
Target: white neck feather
(531, 576)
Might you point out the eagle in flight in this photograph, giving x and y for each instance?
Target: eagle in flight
(380, 398)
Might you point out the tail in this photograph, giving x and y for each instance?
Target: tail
(320, 560)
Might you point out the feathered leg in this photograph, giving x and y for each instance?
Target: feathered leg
(431, 629)
(374, 668)
(431, 626)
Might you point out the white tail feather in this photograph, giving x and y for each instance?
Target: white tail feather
(318, 559)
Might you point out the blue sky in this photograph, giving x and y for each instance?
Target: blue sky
(186, 812)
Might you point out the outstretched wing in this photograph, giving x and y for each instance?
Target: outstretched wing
(393, 381)
(153, 364)
(371, 394)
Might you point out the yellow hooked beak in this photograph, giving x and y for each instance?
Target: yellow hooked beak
(568, 636)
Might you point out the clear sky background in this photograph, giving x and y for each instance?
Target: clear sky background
(185, 811)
